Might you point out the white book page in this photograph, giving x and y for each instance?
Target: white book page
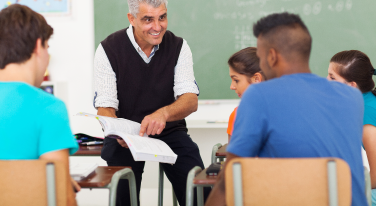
(147, 145)
(113, 125)
(121, 125)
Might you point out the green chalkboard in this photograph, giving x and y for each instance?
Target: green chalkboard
(215, 29)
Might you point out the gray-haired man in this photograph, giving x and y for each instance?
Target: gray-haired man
(145, 73)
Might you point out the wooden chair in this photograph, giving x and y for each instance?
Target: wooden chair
(32, 182)
(295, 181)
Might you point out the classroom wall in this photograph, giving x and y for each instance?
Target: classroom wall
(71, 55)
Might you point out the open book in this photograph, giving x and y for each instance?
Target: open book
(142, 148)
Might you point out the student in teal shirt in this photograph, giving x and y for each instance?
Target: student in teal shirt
(354, 68)
(33, 123)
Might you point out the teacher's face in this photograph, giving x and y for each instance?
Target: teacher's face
(150, 24)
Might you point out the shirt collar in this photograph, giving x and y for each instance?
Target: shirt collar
(134, 43)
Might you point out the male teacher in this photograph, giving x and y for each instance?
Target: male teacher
(145, 73)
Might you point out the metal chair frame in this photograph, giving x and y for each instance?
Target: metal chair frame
(160, 189)
(126, 174)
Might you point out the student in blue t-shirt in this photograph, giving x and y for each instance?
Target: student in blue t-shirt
(295, 113)
(354, 68)
(33, 123)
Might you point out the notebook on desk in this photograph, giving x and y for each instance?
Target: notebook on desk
(79, 171)
(214, 168)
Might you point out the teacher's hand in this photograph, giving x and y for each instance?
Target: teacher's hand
(154, 123)
(122, 143)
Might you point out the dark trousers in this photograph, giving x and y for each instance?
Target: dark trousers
(188, 157)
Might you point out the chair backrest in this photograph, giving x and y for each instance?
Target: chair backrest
(288, 181)
(24, 182)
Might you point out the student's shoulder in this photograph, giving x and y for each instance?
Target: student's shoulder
(267, 86)
(369, 100)
(346, 94)
(41, 99)
(347, 90)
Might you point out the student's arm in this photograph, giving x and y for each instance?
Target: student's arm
(229, 137)
(217, 196)
(63, 156)
(155, 123)
(369, 142)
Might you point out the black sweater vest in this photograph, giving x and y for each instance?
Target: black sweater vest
(144, 88)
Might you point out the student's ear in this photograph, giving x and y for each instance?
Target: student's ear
(272, 57)
(257, 77)
(38, 46)
(131, 18)
(353, 84)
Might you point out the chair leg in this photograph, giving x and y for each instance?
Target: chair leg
(123, 174)
(214, 150)
(160, 189)
(200, 196)
(368, 186)
(190, 186)
(160, 186)
(174, 200)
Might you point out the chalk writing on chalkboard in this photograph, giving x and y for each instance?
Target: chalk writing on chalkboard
(244, 37)
(243, 13)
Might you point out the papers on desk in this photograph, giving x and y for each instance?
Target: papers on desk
(79, 171)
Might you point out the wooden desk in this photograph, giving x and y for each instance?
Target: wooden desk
(221, 151)
(109, 177)
(203, 179)
(101, 177)
(93, 150)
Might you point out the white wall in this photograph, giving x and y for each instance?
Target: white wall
(72, 51)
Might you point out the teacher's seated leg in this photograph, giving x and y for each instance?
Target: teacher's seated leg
(116, 155)
(188, 157)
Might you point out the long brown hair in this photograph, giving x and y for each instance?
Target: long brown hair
(246, 62)
(355, 66)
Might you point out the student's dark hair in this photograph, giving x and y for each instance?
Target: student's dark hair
(246, 62)
(275, 28)
(20, 27)
(355, 66)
